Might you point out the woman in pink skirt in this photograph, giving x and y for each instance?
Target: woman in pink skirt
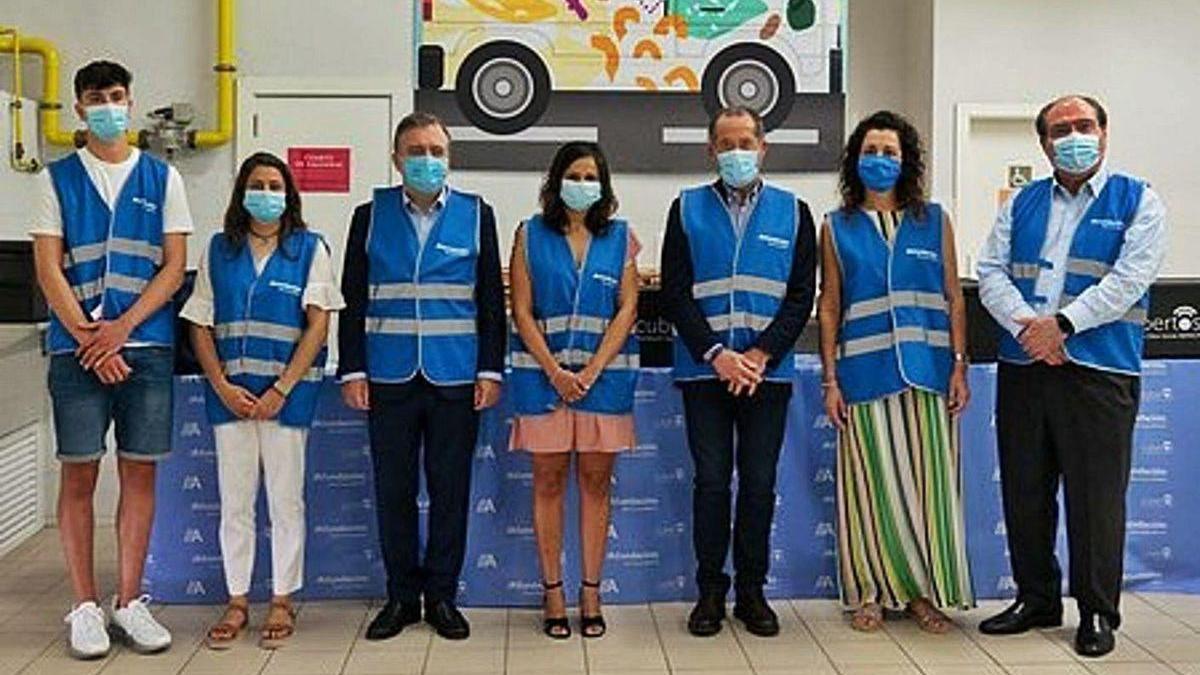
(575, 364)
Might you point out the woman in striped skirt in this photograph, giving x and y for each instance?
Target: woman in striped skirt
(893, 347)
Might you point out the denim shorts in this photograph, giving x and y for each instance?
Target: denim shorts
(140, 407)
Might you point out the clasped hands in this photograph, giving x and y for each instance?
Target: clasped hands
(742, 372)
(99, 349)
(1043, 340)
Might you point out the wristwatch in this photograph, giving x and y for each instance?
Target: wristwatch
(961, 357)
(1064, 324)
(278, 386)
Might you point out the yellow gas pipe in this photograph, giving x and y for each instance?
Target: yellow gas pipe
(225, 68)
(51, 107)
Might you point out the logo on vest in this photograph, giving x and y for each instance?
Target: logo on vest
(605, 279)
(922, 254)
(145, 204)
(285, 287)
(774, 242)
(1108, 223)
(456, 251)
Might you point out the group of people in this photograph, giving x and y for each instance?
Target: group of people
(424, 347)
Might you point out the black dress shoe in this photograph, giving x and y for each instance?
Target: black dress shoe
(447, 620)
(1020, 617)
(752, 610)
(392, 619)
(1094, 637)
(705, 619)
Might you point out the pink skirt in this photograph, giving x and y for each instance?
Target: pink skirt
(567, 429)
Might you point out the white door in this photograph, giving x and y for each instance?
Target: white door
(355, 130)
(993, 142)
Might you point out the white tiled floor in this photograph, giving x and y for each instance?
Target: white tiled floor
(1161, 634)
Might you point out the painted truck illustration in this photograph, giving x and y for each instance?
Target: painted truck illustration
(504, 58)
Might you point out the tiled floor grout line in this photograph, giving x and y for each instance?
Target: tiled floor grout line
(354, 641)
(972, 634)
(658, 633)
(737, 638)
(813, 636)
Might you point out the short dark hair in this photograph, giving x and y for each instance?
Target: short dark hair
(736, 111)
(910, 188)
(417, 120)
(1101, 113)
(554, 210)
(101, 75)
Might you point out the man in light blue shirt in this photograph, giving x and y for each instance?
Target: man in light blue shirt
(1066, 273)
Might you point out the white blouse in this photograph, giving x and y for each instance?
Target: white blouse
(321, 290)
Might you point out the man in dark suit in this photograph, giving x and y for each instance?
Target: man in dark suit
(738, 276)
(421, 348)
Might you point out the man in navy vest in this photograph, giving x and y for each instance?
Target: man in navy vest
(110, 233)
(421, 347)
(738, 275)
(1066, 272)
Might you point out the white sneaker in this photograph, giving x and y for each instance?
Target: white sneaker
(89, 639)
(134, 625)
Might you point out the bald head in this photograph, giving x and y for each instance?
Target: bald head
(1070, 106)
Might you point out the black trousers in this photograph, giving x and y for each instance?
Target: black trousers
(1073, 423)
(404, 418)
(714, 417)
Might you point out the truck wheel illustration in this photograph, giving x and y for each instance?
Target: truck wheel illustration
(753, 76)
(503, 87)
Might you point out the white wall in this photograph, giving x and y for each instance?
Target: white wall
(170, 51)
(1139, 58)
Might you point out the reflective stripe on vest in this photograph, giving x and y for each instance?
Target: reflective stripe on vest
(111, 253)
(421, 314)
(1095, 247)
(573, 306)
(259, 319)
(895, 324)
(741, 274)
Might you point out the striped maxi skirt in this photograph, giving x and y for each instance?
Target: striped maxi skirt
(900, 510)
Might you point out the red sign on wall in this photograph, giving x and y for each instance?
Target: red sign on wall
(320, 169)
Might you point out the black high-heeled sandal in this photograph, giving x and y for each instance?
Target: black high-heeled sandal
(589, 624)
(558, 627)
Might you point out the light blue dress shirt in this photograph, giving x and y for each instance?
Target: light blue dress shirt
(1135, 269)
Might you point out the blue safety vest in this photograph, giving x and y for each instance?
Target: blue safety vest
(110, 255)
(421, 310)
(740, 280)
(258, 320)
(1115, 346)
(573, 306)
(895, 330)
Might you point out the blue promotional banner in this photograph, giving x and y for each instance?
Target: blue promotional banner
(649, 547)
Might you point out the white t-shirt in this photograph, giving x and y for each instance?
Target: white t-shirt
(109, 179)
(321, 290)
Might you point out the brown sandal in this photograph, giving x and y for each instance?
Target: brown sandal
(868, 618)
(929, 618)
(224, 633)
(274, 634)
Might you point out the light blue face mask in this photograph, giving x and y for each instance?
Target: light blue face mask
(425, 174)
(580, 195)
(265, 206)
(107, 121)
(879, 172)
(1076, 153)
(738, 168)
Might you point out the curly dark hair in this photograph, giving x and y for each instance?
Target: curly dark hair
(910, 188)
(237, 218)
(554, 211)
